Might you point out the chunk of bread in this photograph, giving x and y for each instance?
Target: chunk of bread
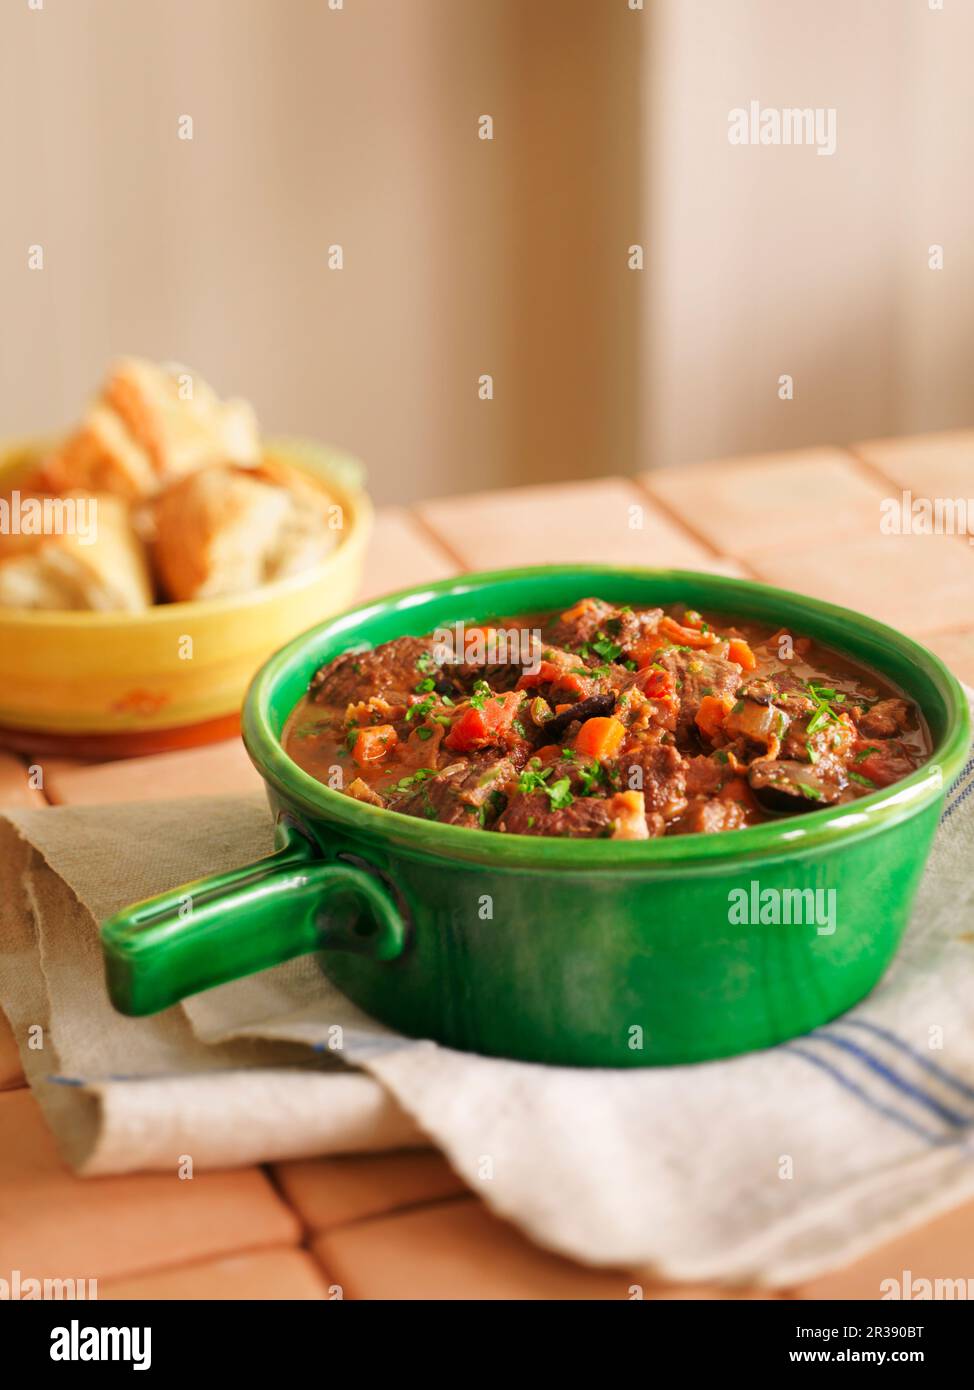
(226, 530)
(106, 571)
(150, 426)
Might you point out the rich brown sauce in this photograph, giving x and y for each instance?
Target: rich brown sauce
(717, 744)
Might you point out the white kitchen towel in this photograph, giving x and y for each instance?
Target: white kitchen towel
(767, 1168)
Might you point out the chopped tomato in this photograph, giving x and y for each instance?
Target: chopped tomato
(710, 717)
(371, 745)
(740, 652)
(658, 685)
(477, 727)
(685, 636)
(600, 737)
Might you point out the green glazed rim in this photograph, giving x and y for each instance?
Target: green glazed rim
(903, 662)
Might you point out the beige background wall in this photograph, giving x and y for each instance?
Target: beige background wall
(776, 260)
(359, 126)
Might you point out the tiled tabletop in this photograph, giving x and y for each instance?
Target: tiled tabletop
(403, 1225)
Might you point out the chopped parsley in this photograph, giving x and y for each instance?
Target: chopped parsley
(406, 784)
(864, 754)
(425, 685)
(560, 794)
(481, 690)
(425, 662)
(606, 649)
(863, 781)
(422, 709)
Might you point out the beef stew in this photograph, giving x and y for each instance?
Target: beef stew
(604, 722)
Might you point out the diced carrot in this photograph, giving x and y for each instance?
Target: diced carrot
(644, 651)
(740, 652)
(549, 752)
(579, 609)
(546, 673)
(371, 745)
(685, 636)
(559, 708)
(711, 714)
(738, 789)
(600, 737)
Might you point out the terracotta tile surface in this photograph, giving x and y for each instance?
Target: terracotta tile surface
(53, 1224)
(454, 1250)
(397, 1225)
(930, 465)
(330, 1192)
(271, 1274)
(918, 583)
(14, 789)
(957, 650)
(11, 1072)
(813, 494)
(608, 521)
(220, 768)
(940, 1249)
(401, 552)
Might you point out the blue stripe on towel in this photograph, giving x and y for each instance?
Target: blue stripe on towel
(951, 1117)
(927, 1063)
(887, 1111)
(958, 793)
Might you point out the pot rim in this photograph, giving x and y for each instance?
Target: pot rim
(824, 828)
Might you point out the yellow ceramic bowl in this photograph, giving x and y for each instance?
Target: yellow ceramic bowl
(96, 683)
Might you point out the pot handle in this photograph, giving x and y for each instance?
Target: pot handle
(219, 928)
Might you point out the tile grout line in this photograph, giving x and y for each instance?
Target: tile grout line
(871, 470)
(429, 533)
(673, 515)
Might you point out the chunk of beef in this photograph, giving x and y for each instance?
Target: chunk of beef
(467, 793)
(697, 674)
(389, 671)
(704, 776)
(709, 815)
(621, 816)
(659, 771)
(831, 740)
(592, 618)
(791, 786)
(886, 719)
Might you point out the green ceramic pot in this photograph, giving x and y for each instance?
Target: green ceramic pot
(576, 952)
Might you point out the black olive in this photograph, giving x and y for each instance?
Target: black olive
(595, 705)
